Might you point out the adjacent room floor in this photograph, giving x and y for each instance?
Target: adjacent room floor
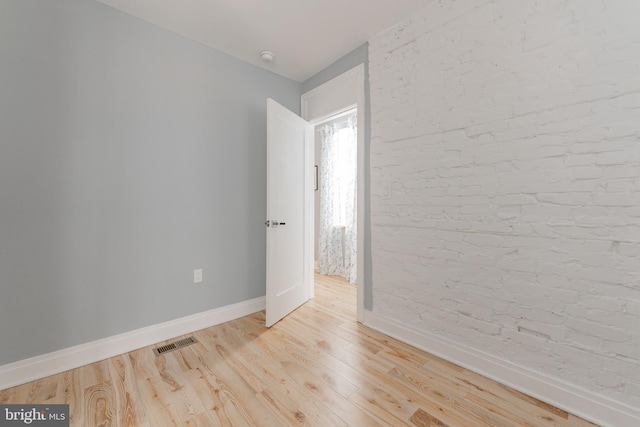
(316, 367)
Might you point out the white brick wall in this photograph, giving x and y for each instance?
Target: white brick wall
(505, 183)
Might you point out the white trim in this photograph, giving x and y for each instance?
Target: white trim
(27, 370)
(578, 401)
(334, 97)
(309, 213)
(333, 116)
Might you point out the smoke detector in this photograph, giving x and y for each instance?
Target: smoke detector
(267, 56)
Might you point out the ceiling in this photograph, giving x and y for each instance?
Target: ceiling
(305, 35)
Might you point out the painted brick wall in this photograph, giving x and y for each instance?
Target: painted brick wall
(505, 183)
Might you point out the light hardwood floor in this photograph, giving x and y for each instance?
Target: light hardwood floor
(316, 367)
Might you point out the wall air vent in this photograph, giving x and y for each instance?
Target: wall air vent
(174, 345)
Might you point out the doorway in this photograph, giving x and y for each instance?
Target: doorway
(335, 216)
(329, 100)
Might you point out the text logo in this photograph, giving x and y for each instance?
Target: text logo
(34, 415)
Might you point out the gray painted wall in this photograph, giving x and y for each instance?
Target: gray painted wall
(347, 62)
(128, 157)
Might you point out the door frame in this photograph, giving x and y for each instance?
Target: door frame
(333, 97)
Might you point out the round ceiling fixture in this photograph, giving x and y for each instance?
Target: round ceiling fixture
(267, 56)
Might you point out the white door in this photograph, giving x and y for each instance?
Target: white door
(289, 209)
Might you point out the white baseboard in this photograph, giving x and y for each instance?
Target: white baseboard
(34, 368)
(581, 402)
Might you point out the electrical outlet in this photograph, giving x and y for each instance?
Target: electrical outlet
(197, 276)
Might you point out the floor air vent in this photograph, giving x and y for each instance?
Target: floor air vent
(174, 345)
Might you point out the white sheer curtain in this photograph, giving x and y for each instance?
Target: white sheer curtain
(337, 186)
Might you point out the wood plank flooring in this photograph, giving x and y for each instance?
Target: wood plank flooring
(317, 367)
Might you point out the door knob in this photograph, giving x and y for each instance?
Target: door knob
(273, 224)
